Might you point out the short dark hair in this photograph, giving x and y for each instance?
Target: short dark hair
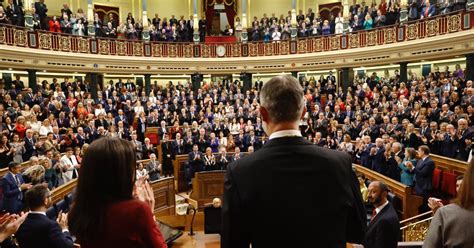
(383, 187)
(35, 196)
(283, 98)
(12, 165)
(425, 149)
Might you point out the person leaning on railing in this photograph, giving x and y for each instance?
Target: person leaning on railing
(452, 224)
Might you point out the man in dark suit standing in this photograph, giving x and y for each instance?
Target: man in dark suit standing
(168, 156)
(285, 170)
(38, 230)
(13, 185)
(195, 163)
(41, 11)
(424, 176)
(384, 227)
(30, 145)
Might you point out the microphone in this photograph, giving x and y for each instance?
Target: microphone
(191, 210)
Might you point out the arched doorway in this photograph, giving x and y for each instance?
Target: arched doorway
(216, 11)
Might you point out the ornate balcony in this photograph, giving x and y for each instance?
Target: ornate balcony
(358, 48)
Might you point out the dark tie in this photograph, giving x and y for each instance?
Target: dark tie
(17, 180)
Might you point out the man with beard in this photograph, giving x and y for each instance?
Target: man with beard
(384, 227)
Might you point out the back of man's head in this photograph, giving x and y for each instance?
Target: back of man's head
(35, 197)
(282, 97)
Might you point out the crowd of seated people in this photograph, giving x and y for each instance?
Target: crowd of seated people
(380, 121)
(274, 28)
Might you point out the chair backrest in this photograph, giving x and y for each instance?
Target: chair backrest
(437, 174)
(448, 184)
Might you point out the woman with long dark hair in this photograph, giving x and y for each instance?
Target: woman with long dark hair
(111, 209)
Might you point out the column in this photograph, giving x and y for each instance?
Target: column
(470, 5)
(147, 84)
(294, 74)
(93, 80)
(403, 11)
(347, 75)
(28, 8)
(196, 36)
(403, 71)
(294, 29)
(196, 80)
(345, 13)
(244, 35)
(470, 66)
(90, 19)
(32, 79)
(145, 24)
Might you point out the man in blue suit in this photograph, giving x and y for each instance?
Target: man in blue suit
(13, 185)
(428, 10)
(424, 176)
(38, 230)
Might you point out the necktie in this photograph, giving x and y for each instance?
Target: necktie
(17, 180)
(374, 213)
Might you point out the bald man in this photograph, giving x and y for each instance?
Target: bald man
(384, 227)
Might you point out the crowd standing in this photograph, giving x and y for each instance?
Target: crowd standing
(379, 120)
(266, 28)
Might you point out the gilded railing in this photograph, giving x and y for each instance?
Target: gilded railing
(430, 27)
(416, 231)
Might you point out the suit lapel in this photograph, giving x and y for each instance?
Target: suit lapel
(377, 217)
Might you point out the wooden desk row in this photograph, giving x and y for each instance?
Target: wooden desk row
(163, 190)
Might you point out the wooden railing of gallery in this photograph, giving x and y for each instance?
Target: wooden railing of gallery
(163, 189)
(420, 29)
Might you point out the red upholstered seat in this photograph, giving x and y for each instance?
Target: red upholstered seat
(448, 184)
(154, 138)
(437, 178)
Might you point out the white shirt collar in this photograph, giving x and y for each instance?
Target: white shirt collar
(377, 210)
(38, 212)
(285, 133)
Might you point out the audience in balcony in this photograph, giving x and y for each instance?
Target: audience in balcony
(361, 17)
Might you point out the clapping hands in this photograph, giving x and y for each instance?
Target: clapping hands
(143, 192)
(9, 224)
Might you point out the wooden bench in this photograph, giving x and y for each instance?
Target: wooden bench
(409, 201)
(163, 190)
(207, 185)
(449, 164)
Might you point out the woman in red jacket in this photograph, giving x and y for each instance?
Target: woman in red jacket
(111, 209)
(54, 25)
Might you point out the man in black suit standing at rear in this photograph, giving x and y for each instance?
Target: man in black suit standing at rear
(38, 230)
(290, 193)
(384, 227)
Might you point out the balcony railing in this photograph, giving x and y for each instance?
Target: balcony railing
(421, 29)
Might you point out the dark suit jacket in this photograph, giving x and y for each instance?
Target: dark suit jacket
(12, 196)
(263, 194)
(424, 176)
(39, 231)
(30, 149)
(384, 229)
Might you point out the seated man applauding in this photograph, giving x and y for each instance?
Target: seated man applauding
(38, 230)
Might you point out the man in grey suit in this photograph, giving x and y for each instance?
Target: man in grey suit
(153, 168)
(138, 146)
